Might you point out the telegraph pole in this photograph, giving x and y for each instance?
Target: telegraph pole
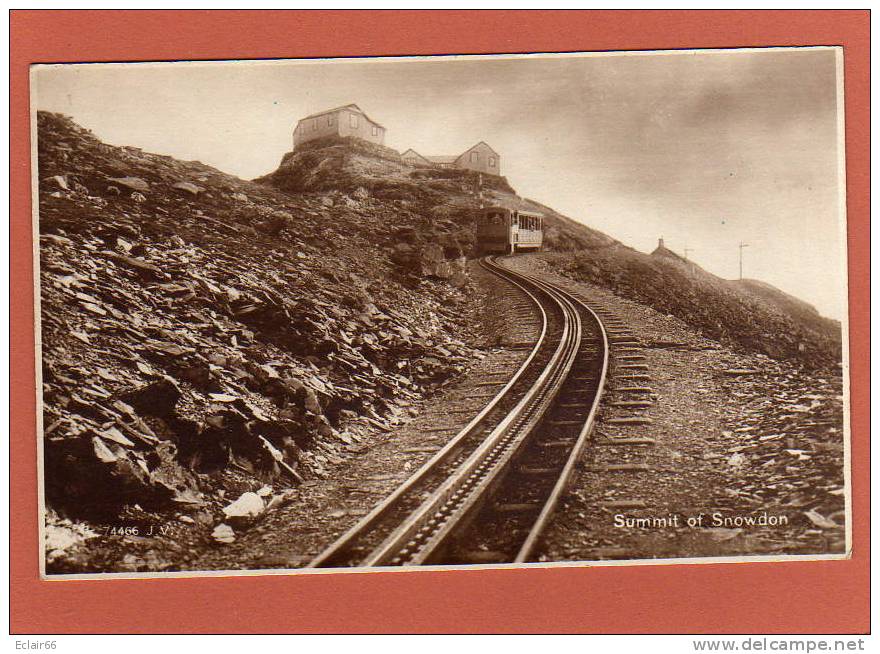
(741, 246)
(686, 251)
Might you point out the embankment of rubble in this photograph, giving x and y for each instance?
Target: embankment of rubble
(205, 337)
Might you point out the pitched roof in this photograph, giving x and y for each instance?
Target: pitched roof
(450, 158)
(474, 146)
(351, 106)
(443, 159)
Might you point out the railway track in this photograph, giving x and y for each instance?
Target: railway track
(488, 494)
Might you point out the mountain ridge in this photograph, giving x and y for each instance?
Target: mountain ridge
(783, 326)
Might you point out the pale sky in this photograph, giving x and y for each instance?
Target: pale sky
(705, 148)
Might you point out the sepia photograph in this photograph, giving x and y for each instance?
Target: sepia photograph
(327, 315)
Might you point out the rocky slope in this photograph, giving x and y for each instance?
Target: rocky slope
(204, 337)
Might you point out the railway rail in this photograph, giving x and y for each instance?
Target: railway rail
(488, 494)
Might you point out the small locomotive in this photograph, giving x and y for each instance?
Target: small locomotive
(506, 231)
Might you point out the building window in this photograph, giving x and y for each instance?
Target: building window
(474, 156)
(353, 120)
(315, 125)
(330, 119)
(491, 162)
(375, 131)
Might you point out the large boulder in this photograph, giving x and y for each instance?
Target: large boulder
(134, 183)
(158, 398)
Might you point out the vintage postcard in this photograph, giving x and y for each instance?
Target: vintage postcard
(548, 309)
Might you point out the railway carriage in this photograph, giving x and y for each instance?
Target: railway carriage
(507, 231)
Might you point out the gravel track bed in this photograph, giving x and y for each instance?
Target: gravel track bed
(764, 442)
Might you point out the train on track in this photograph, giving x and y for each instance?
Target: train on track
(505, 231)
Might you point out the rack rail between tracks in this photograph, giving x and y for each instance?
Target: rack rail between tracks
(430, 517)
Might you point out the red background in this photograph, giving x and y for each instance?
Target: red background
(808, 597)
